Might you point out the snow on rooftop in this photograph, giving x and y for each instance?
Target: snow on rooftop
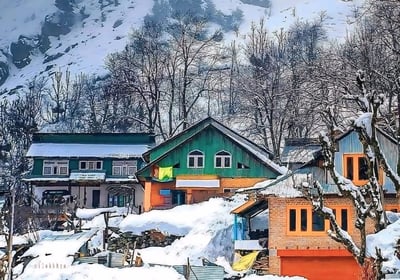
(88, 214)
(301, 155)
(86, 150)
(283, 186)
(60, 244)
(364, 121)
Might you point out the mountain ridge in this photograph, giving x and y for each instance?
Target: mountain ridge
(41, 38)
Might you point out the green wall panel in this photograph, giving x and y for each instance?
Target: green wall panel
(210, 141)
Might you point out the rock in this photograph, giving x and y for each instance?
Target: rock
(21, 51)
(49, 58)
(44, 43)
(4, 72)
(64, 5)
(57, 24)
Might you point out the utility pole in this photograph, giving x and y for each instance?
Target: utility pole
(10, 234)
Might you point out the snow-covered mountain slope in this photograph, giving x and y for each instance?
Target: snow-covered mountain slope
(42, 36)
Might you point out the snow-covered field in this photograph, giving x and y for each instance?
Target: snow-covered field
(206, 228)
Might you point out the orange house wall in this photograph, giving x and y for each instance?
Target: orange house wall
(279, 239)
(193, 195)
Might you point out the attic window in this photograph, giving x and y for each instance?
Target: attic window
(223, 159)
(242, 166)
(196, 159)
(355, 168)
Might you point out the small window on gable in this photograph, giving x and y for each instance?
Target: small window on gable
(242, 166)
(223, 160)
(195, 159)
(355, 168)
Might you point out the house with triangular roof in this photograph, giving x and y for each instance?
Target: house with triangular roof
(297, 239)
(207, 159)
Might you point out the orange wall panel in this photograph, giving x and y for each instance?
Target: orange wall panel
(318, 268)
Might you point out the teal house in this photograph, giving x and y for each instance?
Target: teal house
(93, 170)
(207, 159)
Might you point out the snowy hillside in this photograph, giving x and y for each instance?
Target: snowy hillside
(42, 36)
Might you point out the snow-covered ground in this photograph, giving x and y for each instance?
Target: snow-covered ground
(206, 228)
(90, 41)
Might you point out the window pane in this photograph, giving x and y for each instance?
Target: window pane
(344, 219)
(63, 170)
(191, 161)
(46, 170)
(200, 162)
(218, 162)
(227, 162)
(362, 168)
(318, 222)
(131, 170)
(349, 170)
(98, 165)
(223, 153)
(91, 165)
(303, 216)
(83, 165)
(116, 170)
(292, 220)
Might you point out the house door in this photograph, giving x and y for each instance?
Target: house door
(178, 197)
(95, 198)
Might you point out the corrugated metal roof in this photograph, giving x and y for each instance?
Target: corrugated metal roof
(202, 272)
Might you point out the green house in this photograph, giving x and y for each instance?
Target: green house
(90, 170)
(207, 159)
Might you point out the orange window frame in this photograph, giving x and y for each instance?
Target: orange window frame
(356, 181)
(309, 231)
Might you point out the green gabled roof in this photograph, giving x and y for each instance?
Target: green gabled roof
(162, 150)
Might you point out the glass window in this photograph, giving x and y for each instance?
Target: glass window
(356, 169)
(91, 165)
(124, 168)
(362, 168)
(344, 219)
(318, 222)
(55, 167)
(196, 159)
(292, 219)
(223, 159)
(303, 219)
(349, 169)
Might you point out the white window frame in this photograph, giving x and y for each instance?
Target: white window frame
(195, 159)
(223, 157)
(91, 162)
(57, 167)
(124, 167)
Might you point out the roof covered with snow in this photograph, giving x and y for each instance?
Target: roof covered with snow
(300, 150)
(86, 150)
(56, 244)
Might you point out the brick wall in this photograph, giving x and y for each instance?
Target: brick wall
(281, 238)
